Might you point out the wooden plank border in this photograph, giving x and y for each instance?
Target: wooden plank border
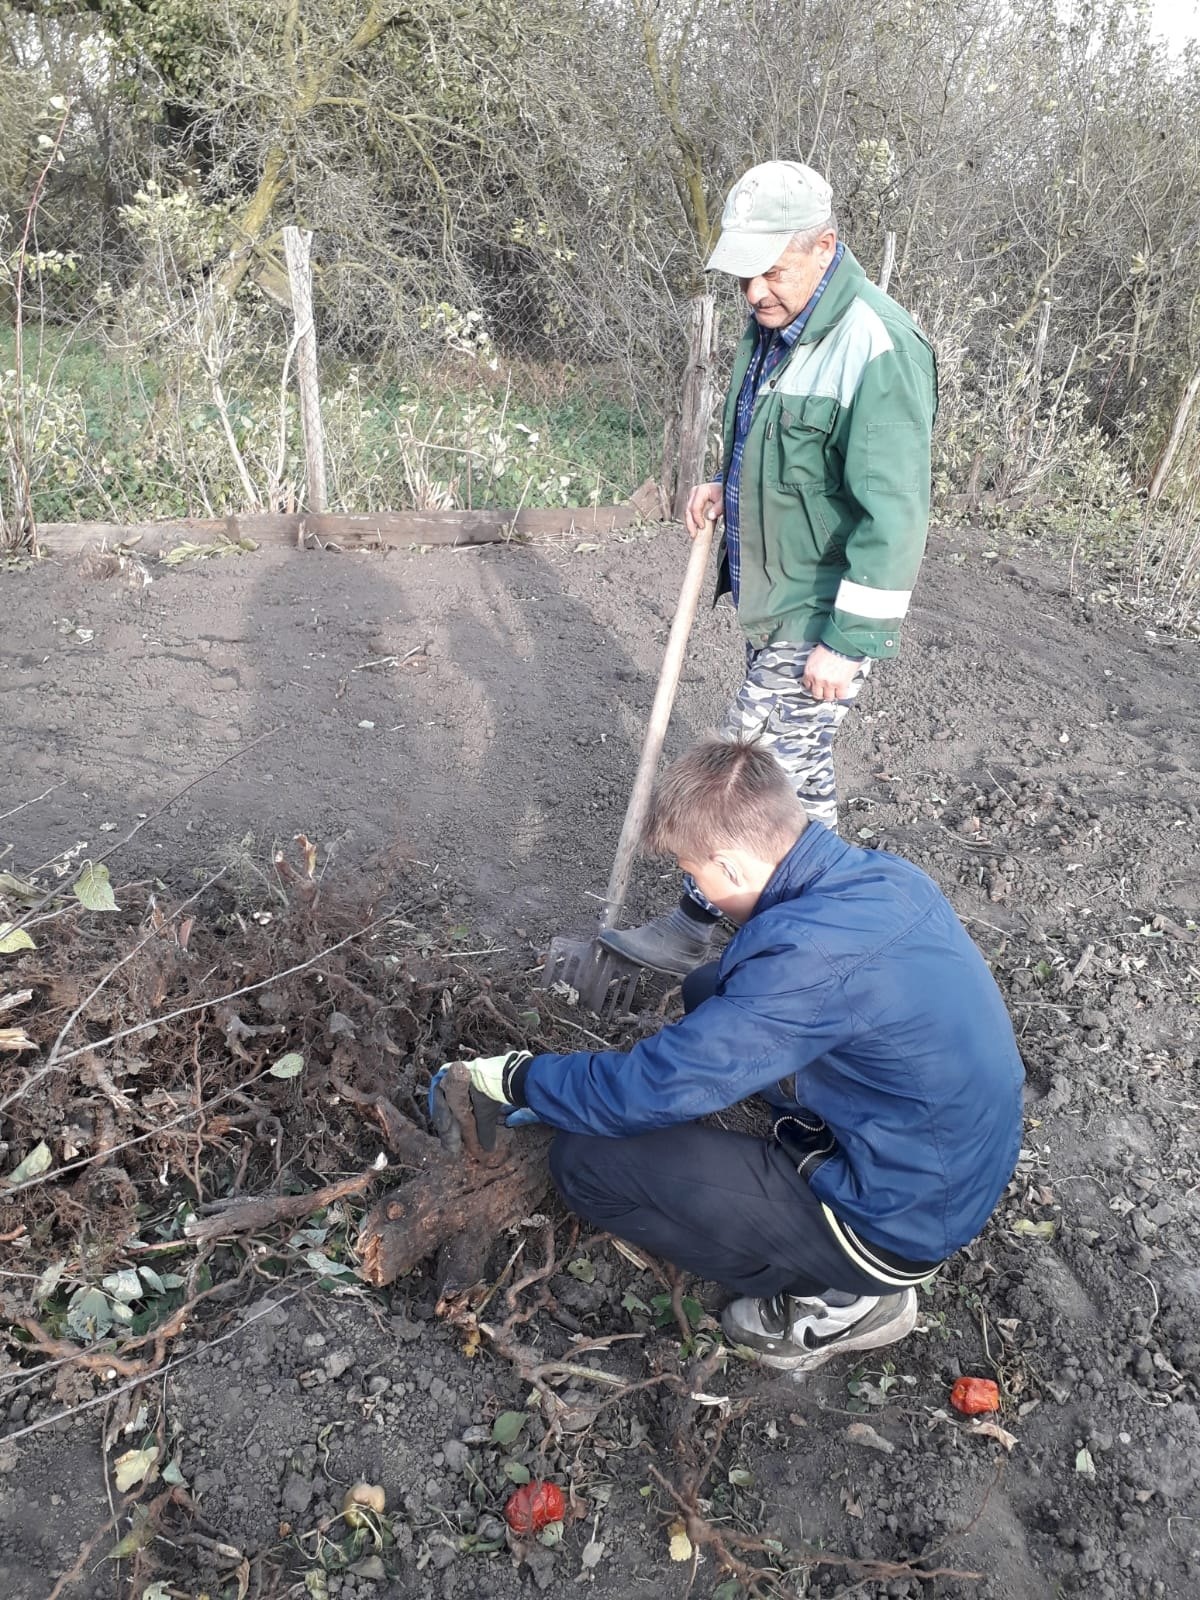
(386, 529)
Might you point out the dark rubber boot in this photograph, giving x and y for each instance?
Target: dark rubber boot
(674, 943)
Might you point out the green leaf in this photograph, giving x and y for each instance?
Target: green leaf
(320, 1262)
(582, 1269)
(729, 1590)
(516, 1472)
(12, 939)
(288, 1066)
(90, 1314)
(152, 1280)
(1085, 1464)
(740, 1477)
(173, 1475)
(34, 1164)
(124, 1285)
(507, 1426)
(1033, 1230)
(92, 888)
(138, 1537)
(634, 1302)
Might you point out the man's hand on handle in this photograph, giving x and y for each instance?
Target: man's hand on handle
(828, 676)
(705, 504)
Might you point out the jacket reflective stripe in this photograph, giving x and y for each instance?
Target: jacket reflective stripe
(881, 604)
(866, 1261)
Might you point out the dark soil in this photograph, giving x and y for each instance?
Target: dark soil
(1035, 750)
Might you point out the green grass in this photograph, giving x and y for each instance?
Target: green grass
(123, 438)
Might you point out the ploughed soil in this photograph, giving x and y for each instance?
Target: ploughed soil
(455, 732)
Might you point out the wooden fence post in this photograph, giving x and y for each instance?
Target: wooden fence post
(889, 260)
(1178, 427)
(697, 399)
(297, 243)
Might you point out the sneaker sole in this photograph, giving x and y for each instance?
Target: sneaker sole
(901, 1325)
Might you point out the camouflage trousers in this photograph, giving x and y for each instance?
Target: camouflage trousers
(774, 709)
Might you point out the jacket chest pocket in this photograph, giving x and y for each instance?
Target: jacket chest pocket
(806, 459)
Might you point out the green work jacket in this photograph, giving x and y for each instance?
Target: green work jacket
(835, 475)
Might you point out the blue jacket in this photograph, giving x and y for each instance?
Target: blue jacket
(855, 975)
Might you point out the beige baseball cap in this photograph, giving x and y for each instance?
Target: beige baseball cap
(766, 206)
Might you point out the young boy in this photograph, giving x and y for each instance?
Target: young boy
(852, 999)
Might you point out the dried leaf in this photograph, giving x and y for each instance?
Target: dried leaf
(48, 1281)
(15, 1039)
(38, 1159)
(18, 997)
(288, 1066)
(741, 1477)
(681, 1545)
(12, 939)
(17, 886)
(593, 1553)
(851, 1506)
(92, 888)
(371, 1567)
(993, 1430)
(133, 1467)
(863, 1433)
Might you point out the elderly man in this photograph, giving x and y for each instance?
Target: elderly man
(824, 491)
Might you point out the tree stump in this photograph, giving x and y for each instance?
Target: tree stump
(457, 1202)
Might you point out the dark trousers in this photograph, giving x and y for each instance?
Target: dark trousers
(723, 1206)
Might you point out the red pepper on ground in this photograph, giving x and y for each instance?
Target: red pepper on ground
(535, 1504)
(972, 1396)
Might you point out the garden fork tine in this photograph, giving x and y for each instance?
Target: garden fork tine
(605, 981)
(592, 971)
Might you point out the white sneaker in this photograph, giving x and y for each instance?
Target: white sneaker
(798, 1335)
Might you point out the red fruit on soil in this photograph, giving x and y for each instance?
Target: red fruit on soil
(972, 1396)
(535, 1504)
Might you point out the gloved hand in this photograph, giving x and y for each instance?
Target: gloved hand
(490, 1074)
(487, 1078)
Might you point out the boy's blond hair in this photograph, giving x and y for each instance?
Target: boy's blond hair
(723, 794)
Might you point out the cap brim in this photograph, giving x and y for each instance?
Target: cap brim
(745, 255)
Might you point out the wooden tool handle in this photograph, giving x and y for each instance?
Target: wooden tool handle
(656, 728)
